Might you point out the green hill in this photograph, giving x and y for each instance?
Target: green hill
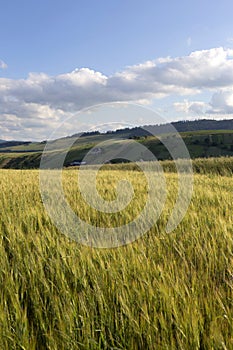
(201, 143)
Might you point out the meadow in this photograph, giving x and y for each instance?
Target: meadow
(163, 291)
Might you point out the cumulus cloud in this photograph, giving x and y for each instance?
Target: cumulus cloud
(191, 107)
(40, 101)
(222, 102)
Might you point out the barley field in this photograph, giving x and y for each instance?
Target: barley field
(163, 291)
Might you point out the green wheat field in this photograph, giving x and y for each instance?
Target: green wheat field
(163, 291)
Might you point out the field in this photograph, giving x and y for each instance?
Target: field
(164, 291)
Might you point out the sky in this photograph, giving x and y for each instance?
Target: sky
(58, 57)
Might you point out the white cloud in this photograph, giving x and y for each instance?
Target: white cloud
(222, 102)
(41, 101)
(191, 107)
(3, 65)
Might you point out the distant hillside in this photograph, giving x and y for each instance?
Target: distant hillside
(4, 143)
(203, 124)
(203, 138)
(180, 126)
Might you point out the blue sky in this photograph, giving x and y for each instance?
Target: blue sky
(44, 46)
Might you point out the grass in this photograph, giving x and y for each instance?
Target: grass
(218, 166)
(164, 291)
